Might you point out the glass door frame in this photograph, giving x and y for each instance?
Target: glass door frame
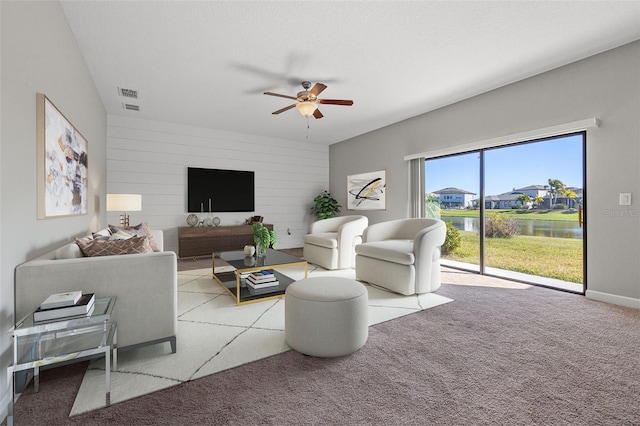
(482, 214)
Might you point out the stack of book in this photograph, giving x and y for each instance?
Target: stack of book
(262, 279)
(65, 305)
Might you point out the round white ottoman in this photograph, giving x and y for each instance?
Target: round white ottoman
(326, 316)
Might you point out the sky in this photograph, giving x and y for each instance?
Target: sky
(510, 167)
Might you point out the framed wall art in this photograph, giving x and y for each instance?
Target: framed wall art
(367, 191)
(61, 163)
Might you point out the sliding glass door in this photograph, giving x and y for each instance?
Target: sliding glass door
(522, 217)
(453, 184)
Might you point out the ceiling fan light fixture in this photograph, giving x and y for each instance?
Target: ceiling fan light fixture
(306, 108)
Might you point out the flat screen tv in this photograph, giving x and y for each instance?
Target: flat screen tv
(220, 190)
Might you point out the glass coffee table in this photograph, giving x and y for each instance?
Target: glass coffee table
(229, 277)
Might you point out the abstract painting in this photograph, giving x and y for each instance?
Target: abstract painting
(62, 164)
(367, 191)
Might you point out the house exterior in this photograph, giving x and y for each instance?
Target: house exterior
(534, 190)
(455, 198)
(509, 200)
(571, 203)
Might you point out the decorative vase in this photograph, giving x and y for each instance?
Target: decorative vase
(249, 250)
(261, 250)
(192, 220)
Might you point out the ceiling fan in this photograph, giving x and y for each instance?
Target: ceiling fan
(307, 100)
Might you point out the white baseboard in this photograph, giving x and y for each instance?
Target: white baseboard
(614, 299)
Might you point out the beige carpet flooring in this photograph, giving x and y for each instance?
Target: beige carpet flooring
(501, 353)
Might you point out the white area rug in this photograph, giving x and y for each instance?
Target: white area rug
(214, 334)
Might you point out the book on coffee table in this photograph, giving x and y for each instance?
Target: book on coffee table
(265, 284)
(264, 275)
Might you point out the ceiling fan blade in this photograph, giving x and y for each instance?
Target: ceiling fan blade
(317, 114)
(284, 109)
(281, 96)
(335, 102)
(317, 89)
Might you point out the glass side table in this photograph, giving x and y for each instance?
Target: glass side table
(41, 343)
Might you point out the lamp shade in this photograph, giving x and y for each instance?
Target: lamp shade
(306, 108)
(124, 202)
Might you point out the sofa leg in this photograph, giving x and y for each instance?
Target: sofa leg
(172, 341)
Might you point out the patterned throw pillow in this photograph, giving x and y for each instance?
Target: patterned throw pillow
(105, 232)
(141, 230)
(69, 251)
(133, 245)
(122, 235)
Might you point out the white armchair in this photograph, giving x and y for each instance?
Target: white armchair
(402, 255)
(331, 242)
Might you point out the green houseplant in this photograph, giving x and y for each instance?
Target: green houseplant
(264, 238)
(325, 206)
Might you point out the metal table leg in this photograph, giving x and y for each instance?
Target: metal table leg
(107, 357)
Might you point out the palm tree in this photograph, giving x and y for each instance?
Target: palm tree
(537, 200)
(570, 195)
(556, 187)
(523, 199)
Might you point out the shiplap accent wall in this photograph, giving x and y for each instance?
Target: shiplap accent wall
(151, 158)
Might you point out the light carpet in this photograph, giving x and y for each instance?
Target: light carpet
(214, 334)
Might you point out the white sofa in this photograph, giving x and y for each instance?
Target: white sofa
(402, 255)
(330, 242)
(145, 285)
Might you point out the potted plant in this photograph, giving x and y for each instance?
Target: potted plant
(263, 237)
(325, 206)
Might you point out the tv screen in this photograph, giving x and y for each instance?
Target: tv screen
(222, 190)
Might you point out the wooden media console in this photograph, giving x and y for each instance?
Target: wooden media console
(204, 240)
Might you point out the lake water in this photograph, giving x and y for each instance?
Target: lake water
(538, 228)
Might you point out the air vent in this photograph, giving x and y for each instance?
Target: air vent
(131, 107)
(128, 93)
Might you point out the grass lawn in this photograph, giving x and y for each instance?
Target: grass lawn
(559, 258)
(569, 215)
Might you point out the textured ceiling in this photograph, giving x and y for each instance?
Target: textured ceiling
(207, 63)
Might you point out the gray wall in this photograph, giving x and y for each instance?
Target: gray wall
(606, 86)
(39, 54)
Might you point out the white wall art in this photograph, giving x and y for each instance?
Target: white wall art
(62, 164)
(367, 191)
